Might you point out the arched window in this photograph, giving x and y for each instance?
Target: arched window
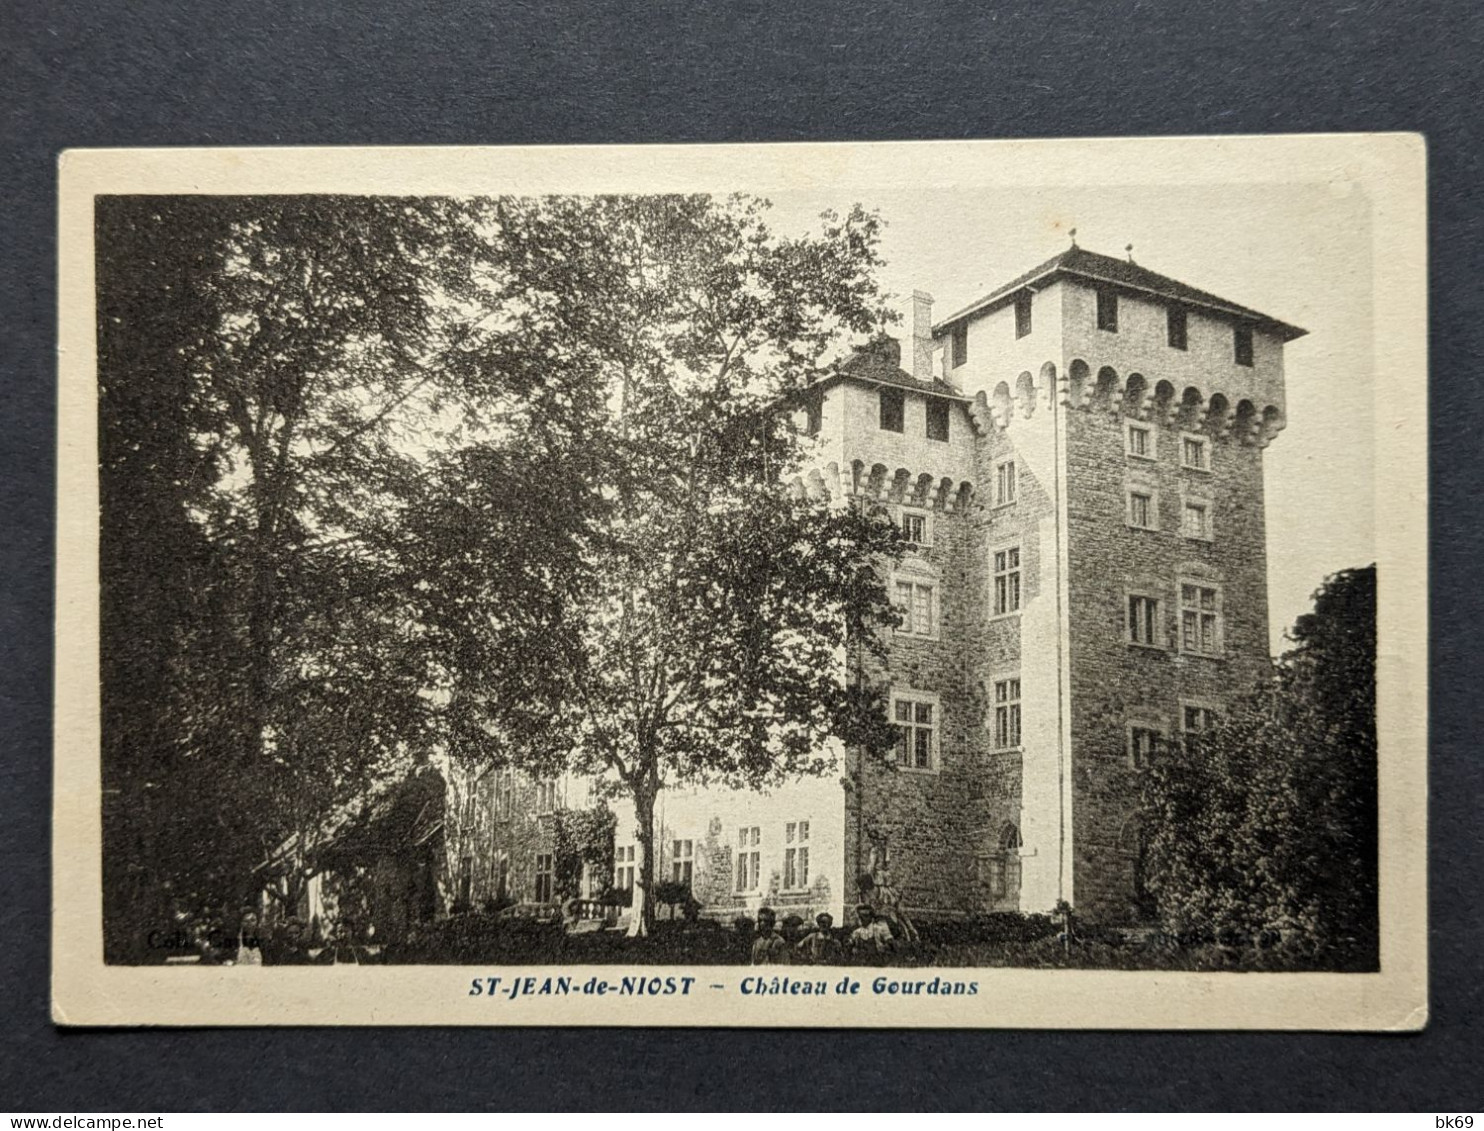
(1003, 865)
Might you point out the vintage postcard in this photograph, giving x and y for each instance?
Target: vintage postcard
(924, 584)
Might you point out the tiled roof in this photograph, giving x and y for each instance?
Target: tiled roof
(403, 816)
(1084, 264)
(880, 362)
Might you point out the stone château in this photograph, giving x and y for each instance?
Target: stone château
(1076, 458)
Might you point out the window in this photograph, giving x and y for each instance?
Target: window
(1007, 714)
(1143, 620)
(1108, 310)
(683, 861)
(796, 855)
(546, 796)
(892, 410)
(915, 528)
(506, 795)
(1143, 745)
(916, 601)
(1242, 345)
(1141, 509)
(1195, 519)
(623, 867)
(1022, 314)
(1005, 482)
(916, 732)
(1194, 453)
(749, 857)
(1175, 326)
(813, 415)
(960, 344)
(1200, 619)
(937, 419)
(1141, 441)
(543, 877)
(1195, 720)
(1007, 581)
(996, 874)
(1002, 870)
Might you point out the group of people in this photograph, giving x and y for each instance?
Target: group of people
(288, 942)
(875, 935)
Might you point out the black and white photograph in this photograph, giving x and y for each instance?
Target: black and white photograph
(809, 585)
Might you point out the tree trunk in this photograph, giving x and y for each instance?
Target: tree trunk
(641, 915)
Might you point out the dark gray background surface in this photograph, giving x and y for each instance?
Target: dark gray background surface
(156, 72)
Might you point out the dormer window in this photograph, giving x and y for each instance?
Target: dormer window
(1175, 319)
(1242, 345)
(893, 410)
(960, 344)
(937, 420)
(1022, 314)
(1107, 310)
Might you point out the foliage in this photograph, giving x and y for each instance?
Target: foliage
(703, 630)
(164, 649)
(275, 375)
(581, 836)
(616, 897)
(1265, 830)
(501, 478)
(473, 938)
(993, 927)
(671, 892)
(677, 896)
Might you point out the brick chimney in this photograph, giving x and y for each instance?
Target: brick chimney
(922, 335)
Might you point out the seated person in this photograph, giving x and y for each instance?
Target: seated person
(874, 933)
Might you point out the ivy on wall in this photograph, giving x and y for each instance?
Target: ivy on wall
(581, 836)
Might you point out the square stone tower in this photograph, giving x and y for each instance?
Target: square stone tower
(1127, 413)
(1077, 460)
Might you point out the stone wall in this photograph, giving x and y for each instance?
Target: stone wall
(1115, 682)
(919, 829)
(496, 822)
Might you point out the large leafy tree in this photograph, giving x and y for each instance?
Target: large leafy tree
(1266, 828)
(282, 379)
(704, 624)
(502, 476)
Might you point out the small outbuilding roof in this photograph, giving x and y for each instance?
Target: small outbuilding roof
(879, 362)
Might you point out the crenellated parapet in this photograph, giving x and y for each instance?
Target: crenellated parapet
(1243, 411)
(1010, 399)
(1247, 412)
(878, 483)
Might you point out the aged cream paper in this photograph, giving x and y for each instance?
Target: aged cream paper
(1360, 200)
